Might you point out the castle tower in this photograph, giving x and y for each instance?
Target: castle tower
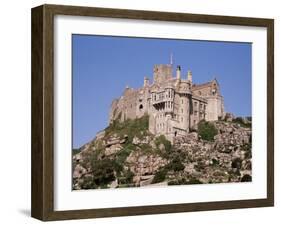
(189, 76)
(162, 72)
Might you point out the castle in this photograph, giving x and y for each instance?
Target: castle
(174, 104)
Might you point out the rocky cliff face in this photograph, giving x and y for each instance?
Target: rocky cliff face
(127, 155)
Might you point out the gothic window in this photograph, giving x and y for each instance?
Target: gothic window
(141, 107)
(181, 119)
(181, 110)
(182, 101)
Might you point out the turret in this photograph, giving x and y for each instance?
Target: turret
(189, 76)
(145, 82)
(178, 73)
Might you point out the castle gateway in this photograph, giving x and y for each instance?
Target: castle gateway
(174, 104)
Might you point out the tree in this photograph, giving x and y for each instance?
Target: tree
(207, 130)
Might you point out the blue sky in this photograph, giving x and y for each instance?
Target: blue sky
(103, 66)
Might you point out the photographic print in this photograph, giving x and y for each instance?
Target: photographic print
(160, 112)
(147, 112)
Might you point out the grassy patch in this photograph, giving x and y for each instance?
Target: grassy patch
(137, 127)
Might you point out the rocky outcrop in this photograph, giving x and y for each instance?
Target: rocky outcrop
(143, 165)
(119, 160)
(227, 158)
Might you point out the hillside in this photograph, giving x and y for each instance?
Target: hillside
(128, 155)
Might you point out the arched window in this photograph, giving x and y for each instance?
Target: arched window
(141, 107)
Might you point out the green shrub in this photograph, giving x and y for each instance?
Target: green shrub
(162, 140)
(249, 118)
(246, 178)
(207, 130)
(103, 171)
(179, 181)
(160, 176)
(215, 162)
(173, 182)
(194, 181)
(126, 178)
(242, 123)
(121, 157)
(88, 183)
(236, 163)
(182, 181)
(175, 165)
(75, 151)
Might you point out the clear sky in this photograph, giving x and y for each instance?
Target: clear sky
(103, 66)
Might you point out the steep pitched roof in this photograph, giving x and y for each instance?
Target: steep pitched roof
(201, 86)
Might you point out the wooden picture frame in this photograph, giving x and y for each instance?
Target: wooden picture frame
(42, 203)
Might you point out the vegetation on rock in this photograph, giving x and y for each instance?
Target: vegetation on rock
(137, 127)
(126, 154)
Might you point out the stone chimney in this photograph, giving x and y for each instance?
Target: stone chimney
(189, 76)
(145, 82)
(178, 73)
